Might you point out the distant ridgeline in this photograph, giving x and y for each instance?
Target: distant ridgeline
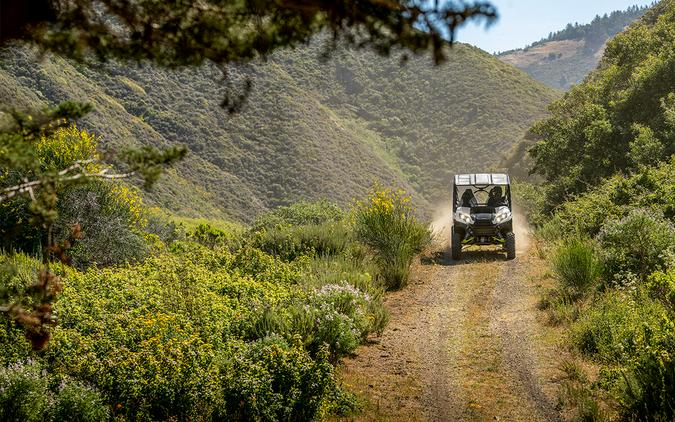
(310, 129)
(564, 58)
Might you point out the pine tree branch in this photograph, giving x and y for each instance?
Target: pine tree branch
(64, 175)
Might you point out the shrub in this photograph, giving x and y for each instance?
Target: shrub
(335, 318)
(387, 225)
(576, 267)
(111, 222)
(612, 329)
(213, 235)
(290, 243)
(77, 403)
(636, 243)
(661, 286)
(341, 317)
(299, 214)
(23, 393)
(649, 386)
(271, 380)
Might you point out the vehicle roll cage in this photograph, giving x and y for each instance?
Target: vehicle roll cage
(480, 182)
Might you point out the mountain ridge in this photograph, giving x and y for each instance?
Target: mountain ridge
(565, 57)
(310, 128)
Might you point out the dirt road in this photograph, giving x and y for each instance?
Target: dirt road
(464, 343)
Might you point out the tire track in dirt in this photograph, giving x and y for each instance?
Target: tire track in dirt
(513, 325)
(459, 346)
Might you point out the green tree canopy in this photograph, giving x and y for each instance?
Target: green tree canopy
(188, 32)
(620, 118)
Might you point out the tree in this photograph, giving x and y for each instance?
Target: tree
(176, 34)
(188, 32)
(619, 118)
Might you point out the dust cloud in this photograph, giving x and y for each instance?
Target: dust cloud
(522, 230)
(442, 223)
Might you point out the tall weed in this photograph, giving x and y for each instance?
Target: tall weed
(577, 267)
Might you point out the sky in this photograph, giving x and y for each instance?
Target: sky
(521, 22)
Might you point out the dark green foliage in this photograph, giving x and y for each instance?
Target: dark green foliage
(619, 124)
(637, 244)
(189, 33)
(612, 329)
(624, 105)
(650, 189)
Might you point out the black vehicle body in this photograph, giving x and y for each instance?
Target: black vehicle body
(482, 212)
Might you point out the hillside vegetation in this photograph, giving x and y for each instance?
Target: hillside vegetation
(160, 320)
(607, 212)
(310, 130)
(564, 58)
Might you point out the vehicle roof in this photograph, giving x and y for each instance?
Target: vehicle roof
(482, 179)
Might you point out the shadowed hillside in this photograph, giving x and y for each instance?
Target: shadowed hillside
(310, 128)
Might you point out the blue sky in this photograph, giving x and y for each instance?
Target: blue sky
(522, 22)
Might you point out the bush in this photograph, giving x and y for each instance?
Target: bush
(636, 244)
(350, 270)
(650, 188)
(661, 286)
(649, 386)
(270, 380)
(299, 214)
(111, 222)
(335, 318)
(387, 225)
(576, 267)
(612, 329)
(25, 395)
(290, 243)
(77, 403)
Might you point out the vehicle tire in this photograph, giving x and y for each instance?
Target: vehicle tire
(510, 245)
(456, 246)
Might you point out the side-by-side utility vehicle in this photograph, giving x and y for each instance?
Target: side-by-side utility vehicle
(482, 213)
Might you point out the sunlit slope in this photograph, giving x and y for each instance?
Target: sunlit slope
(565, 57)
(310, 129)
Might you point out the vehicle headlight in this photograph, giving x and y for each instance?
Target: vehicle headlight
(463, 217)
(502, 216)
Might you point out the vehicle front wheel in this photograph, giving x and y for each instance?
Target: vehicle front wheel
(510, 246)
(456, 245)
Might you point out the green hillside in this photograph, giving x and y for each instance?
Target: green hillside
(564, 58)
(310, 129)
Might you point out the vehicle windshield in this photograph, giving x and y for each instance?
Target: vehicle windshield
(482, 196)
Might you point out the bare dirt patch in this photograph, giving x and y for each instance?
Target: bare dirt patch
(465, 342)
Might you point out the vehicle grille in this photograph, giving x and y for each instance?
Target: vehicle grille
(484, 227)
